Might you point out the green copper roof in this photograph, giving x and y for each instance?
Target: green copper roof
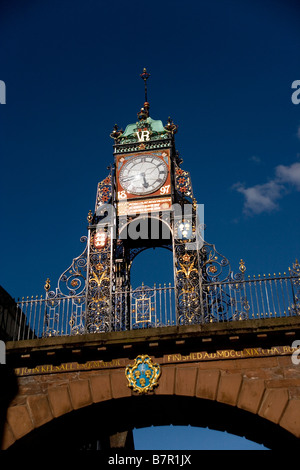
(144, 130)
(155, 125)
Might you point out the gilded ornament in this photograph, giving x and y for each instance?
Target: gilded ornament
(213, 269)
(90, 217)
(187, 270)
(242, 267)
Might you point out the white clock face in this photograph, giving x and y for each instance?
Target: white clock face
(143, 174)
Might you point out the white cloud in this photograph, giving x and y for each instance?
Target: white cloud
(260, 198)
(289, 174)
(264, 197)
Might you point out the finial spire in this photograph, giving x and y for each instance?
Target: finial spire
(47, 285)
(144, 112)
(145, 75)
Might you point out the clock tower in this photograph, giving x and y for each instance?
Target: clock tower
(146, 201)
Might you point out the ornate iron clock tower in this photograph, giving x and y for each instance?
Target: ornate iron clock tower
(146, 201)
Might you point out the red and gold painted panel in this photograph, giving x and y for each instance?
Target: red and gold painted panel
(144, 206)
(143, 175)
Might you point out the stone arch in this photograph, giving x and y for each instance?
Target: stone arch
(224, 399)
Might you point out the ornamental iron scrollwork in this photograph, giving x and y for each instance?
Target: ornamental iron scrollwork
(225, 302)
(104, 192)
(193, 300)
(188, 286)
(188, 281)
(183, 183)
(94, 294)
(206, 288)
(86, 300)
(143, 309)
(224, 298)
(295, 280)
(187, 265)
(64, 307)
(98, 311)
(216, 267)
(72, 280)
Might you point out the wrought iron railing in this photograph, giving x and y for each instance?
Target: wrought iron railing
(252, 299)
(143, 307)
(149, 307)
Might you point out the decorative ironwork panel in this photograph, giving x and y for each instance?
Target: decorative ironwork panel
(64, 307)
(216, 267)
(98, 312)
(104, 192)
(183, 184)
(224, 302)
(220, 304)
(143, 308)
(295, 273)
(72, 280)
(256, 298)
(188, 287)
(64, 315)
(187, 266)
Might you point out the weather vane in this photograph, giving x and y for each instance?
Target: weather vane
(145, 75)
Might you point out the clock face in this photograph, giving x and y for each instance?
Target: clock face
(143, 174)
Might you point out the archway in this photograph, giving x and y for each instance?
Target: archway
(152, 266)
(91, 426)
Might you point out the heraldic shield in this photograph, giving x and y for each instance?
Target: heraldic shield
(143, 375)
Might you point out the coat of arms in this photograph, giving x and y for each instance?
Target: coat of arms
(143, 375)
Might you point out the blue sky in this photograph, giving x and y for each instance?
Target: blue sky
(222, 70)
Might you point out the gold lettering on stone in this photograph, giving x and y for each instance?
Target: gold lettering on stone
(169, 358)
(229, 354)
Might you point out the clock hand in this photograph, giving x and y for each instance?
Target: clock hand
(127, 178)
(149, 170)
(145, 184)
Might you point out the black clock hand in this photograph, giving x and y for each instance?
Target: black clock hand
(145, 184)
(149, 170)
(126, 178)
